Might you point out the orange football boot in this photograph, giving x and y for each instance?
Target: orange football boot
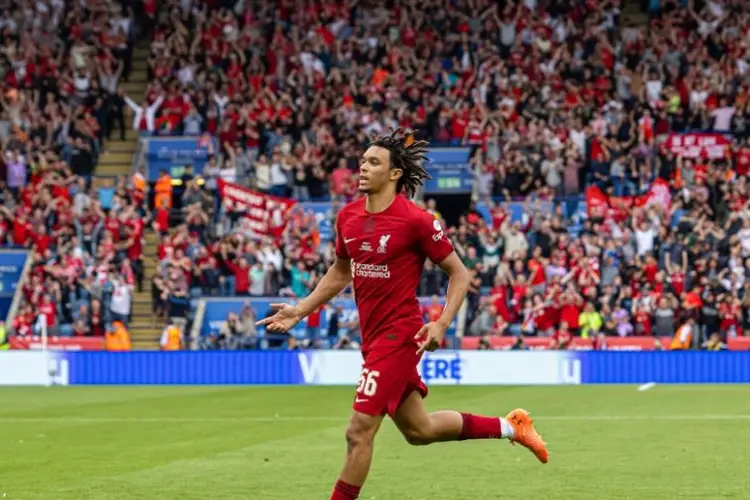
(526, 435)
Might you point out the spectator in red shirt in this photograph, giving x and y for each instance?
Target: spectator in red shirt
(562, 338)
(241, 271)
(313, 324)
(47, 315)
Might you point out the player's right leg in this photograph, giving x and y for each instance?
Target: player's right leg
(360, 436)
(420, 427)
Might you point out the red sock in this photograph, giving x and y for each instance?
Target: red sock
(479, 427)
(345, 491)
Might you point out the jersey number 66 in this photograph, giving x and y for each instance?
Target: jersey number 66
(368, 382)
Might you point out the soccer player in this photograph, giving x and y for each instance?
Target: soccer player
(382, 240)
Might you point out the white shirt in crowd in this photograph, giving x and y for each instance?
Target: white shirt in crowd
(122, 298)
(186, 75)
(270, 255)
(654, 89)
(723, 118)
(228, 173)
(81, 201)
(578, 137)
(644, 240)
(278, 178)
(744, 235)
(263, 176)
(150, 113)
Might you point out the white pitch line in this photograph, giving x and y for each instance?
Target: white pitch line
(645, 387)
(343, 418)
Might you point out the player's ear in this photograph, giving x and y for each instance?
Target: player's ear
(396, 174)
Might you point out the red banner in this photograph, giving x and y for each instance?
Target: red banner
(699, 145)
(265, 215)
(579, 344)
(599, 204)
(58, 343)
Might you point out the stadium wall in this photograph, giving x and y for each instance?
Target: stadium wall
(343, 367)
(217, 309)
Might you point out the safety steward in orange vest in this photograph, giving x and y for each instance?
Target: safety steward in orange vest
(683, 338)
(171, 338)
(117, 338)
(163, 190)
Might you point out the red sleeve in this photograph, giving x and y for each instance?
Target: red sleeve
(341, 251)
(232, 266)
(432, 239)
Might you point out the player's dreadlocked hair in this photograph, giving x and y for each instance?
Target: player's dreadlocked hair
(407, 154)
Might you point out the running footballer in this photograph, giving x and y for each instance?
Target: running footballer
(382, 240)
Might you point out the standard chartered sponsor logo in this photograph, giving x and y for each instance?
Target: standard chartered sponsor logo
(370, 270)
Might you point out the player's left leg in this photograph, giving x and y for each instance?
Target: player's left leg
(360, 436)
(420, 427)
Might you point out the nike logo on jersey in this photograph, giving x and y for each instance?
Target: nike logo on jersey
(349, 240)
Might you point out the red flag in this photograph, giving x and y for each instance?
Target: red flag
(265, 215)
(599, 205)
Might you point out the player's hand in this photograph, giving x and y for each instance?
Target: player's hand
(285, 318)
(430, 337)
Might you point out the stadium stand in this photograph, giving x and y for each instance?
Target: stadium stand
(606, 151)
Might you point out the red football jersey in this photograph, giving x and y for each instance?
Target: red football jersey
(387, 251)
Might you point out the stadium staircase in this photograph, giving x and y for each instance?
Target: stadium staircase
(145, 329)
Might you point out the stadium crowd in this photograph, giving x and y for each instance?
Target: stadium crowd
(555, 97)
(61, 63)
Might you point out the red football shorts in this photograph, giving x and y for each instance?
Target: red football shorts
(388, 376)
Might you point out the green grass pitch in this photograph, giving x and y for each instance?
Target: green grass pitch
(267, 443)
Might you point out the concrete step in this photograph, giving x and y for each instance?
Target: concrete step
(112, 157)
(135, 90)
(142, 324)
(119, 149)
(142, 310)
(142, 330)
(113, 170)
(117, 146)
(139, 72)
(144, 345)
(150, 264)
(142, 301)
(131, 136)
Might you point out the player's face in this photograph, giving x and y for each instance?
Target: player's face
(375, 172)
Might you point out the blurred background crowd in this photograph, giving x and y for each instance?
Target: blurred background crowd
(609, 149)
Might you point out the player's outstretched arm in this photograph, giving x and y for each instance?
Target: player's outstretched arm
(287, 316)
(338, 276)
